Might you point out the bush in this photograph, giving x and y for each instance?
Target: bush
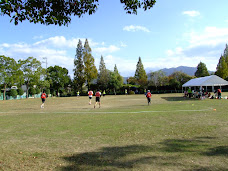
(38, 90)
(131, 92)
(32, 91)
(13, 93)
(47, 91)
(20, 91)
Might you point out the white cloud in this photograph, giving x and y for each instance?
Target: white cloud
(133, 28)
(109, 49)
(205, 46)
(123, 44)
(58, 50)
(210, 36)
(121, 63)
(191, 13)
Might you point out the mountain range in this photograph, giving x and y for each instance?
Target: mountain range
(187, 70)
(168, 71)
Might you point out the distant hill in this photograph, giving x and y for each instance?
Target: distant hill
(168, 71)
(187, 70)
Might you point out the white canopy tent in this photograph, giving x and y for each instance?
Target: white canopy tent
(212, 80)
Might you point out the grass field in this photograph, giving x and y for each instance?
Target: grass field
(172, 133)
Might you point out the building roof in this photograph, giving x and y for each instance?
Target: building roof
(212, 80)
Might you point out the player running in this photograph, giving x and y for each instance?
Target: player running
(148, 95)
(98, 98)
(43, 97)
(90, 93)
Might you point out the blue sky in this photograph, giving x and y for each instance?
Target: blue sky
(171, 34)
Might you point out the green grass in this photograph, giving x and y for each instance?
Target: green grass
(172, 133)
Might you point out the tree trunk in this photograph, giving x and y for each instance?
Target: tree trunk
(4, 92)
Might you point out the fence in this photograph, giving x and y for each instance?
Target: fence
(21, 97)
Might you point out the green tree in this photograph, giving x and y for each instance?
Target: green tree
(178, 78)
(90, 68)
(32, 91)
(222, 68)
(58, 77)
(201, 70)
(32, 70)
(132, 81)
(79, 75)
(9, 72)
(140, 74)
(103, 75)
(59, 12)
(13, 93)
(156, 78)
(226, 54)
(116, 80)
(20, 91)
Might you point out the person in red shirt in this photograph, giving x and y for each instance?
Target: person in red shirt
(98, 98)
(148, 95)
(43, 97)
(90, 93)
(219, 93)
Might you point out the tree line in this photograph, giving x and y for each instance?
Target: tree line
(56, 80)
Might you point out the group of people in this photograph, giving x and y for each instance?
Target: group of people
(98, 97)
(201, 94)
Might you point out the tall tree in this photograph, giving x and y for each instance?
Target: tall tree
(32, 70)
(58, 77)
(222, 68)
(226, 54)
(156, 78)
(103, 75)
(9, 72)
(201, 70)
(79, 75)
(116, 80)
(90, 68)
(140, 73)
(59, 12)
(178, 78)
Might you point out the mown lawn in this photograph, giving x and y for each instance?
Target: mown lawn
(172, 133)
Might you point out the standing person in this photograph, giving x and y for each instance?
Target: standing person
(219, 93)
(148, 95)
(145, 91)
(104, 93)
(125, 91)
(90, 93)
(189, 92)
(78, 93)
(43, 97)
(98, 98)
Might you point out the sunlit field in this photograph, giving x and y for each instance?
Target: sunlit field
(173, 133)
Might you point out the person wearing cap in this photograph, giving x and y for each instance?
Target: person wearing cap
(148, 95)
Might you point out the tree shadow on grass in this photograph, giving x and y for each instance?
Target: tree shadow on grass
(109, 158)
(170, 153)
(178, 98)
(217, 151)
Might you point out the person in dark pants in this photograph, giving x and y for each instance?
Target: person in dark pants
(148, 95)
(43, 97)
(98, 98)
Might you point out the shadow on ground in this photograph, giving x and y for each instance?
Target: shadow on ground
(178, 98)
(170, 153)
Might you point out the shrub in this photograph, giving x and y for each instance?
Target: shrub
(38, 90)
(13, 93)
(32, 91)
(20, 91)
